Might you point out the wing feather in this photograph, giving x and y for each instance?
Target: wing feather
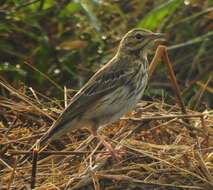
(104, 82)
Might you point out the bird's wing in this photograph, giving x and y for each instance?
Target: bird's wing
(105, 81)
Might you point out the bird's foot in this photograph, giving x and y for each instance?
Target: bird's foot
(116, 154)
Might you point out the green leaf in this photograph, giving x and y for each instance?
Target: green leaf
(42, 57)
(155, 17)
(48, 4)
(69, 9)
(73, 7)
(5, 28)
(89, 7)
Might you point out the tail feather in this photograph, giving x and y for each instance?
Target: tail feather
(57, 129)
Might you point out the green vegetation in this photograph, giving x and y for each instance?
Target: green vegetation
(67, 41)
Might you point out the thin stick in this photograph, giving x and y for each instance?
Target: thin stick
(162, 117)
(14, 152)
(166, 59)
(12, 175)
(65, 96)
(6, 165)
(203, 89)
(34, 168)
(23, 139)
(203, 167)
(25, 99)
(34, 94)
(143, 183)
(44, 75)
(161, 53)
(155, 60)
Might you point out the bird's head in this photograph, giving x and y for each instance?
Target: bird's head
(138, 41)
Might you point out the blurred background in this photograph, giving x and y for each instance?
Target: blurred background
(48, 44)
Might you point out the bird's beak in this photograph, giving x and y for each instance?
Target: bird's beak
(157, 36)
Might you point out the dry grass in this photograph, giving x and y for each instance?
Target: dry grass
(158, 150)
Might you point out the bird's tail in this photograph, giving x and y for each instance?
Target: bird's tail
(54, 132)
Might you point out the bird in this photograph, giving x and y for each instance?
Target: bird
(111, 92)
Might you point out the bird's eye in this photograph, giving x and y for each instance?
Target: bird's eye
(138, 36)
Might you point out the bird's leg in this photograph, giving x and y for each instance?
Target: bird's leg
(108, 146)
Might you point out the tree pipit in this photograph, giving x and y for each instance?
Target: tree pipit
(112, 91)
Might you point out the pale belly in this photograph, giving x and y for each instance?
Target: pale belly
(112, 107)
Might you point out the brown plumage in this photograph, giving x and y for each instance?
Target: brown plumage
(112, 91)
